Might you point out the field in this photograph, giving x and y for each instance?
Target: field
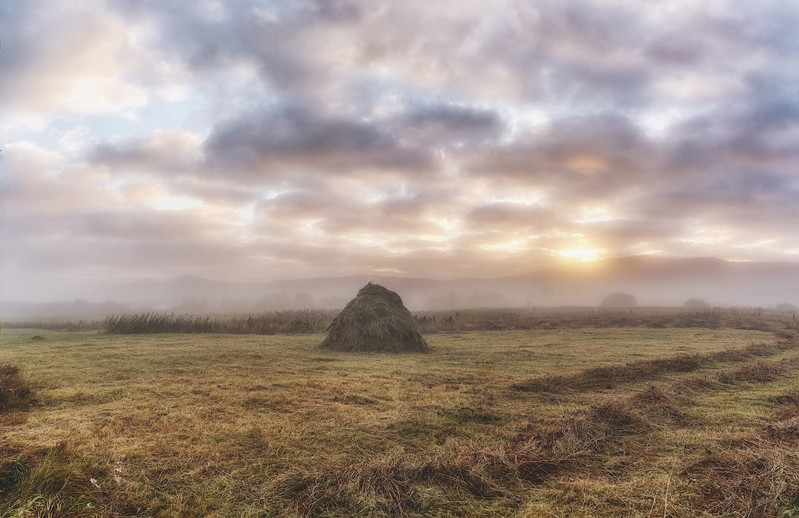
(634, 417)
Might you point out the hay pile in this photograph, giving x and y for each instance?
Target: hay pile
(375, 320)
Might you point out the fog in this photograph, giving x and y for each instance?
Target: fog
(651, 281)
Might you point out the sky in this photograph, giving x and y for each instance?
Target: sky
(249, 140)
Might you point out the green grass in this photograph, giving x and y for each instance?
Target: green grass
(248, 425)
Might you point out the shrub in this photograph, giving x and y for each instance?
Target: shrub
(619, 300)
(696, 304)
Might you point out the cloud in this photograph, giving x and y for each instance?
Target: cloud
(447, 125)
(70, 57)
(286, 138)
(503, 216)
(445, 138)
(162, 151)
(575, 157)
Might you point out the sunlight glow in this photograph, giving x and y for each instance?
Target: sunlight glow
(586, 255)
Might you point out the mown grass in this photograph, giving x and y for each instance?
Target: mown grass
(247, 425)
(15, 389)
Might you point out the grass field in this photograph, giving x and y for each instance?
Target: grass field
(578, 421)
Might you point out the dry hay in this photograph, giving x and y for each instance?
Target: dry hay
(15, 390)
(375, 321)
(752, 477)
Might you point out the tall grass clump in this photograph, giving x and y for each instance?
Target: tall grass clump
(290, 321)
(15, 389)
(57, 482)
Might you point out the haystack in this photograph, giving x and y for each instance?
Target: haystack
(375, 320)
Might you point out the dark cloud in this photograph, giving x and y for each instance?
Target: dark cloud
(277, 37)
(676, 49)
(320, 214)
(575, 158)
(161, 153)
(448, 124)
(282, 139)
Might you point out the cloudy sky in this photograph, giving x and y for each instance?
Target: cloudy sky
(252, 140)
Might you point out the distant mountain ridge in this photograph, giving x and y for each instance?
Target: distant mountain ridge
(654, 281)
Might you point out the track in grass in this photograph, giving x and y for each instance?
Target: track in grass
(643, 370)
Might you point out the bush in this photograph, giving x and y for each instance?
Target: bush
(619, 300)
(696, 304)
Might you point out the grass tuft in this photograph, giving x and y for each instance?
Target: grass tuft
(15, 389)
(748, 478)
(270, 323)
(57, 482)
(759, 372)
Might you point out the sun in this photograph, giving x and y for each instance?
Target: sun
(586, 255)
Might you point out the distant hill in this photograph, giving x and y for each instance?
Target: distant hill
(652, 280)
(663, 281)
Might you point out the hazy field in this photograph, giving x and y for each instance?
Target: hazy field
(507, 422)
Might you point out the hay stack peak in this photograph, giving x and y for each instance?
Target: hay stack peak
(375, 320)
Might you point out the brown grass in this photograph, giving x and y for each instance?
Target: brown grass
(787, 430)
(759, 371)
(750, 477)
(174, 425)
(756, 482)
(15, 389)
(58, 482)
(607, 377)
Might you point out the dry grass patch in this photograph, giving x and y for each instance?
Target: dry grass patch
(757, 372)
(607, 377)
(15, 389)
(752, 477)
(58, 482)
(220, 425)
